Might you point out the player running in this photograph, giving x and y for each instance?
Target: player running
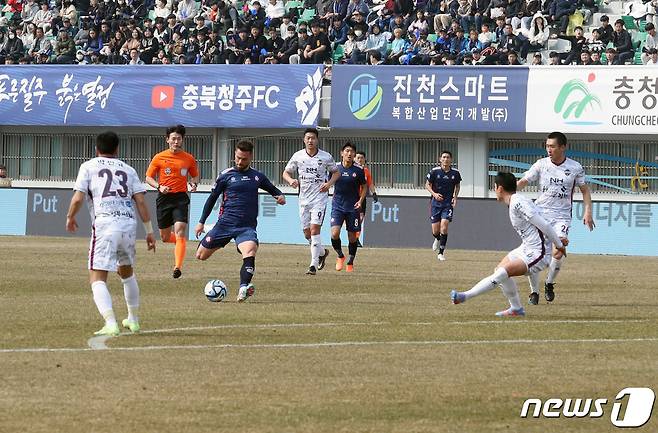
(110, 185)
(360, 159)
(349, 196)
(238, 187)
(313, 167)
(443, 184)
(529, 258)
(173, 167)
(558, 176)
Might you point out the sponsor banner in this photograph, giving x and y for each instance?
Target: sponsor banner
(214, 96)
(13, 203)
(429, 98)
(47, 208)
(602, 99)
(276, 224)
(405, 222)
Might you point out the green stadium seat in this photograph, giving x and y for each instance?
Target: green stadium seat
(629, 22)
(152, 15)
(293, 4)
(338, 54)
(432, 37)
(308, 15)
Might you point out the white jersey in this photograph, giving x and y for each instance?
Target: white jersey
(312, 172)
(521, 210)
(556, 185)
(109, 185)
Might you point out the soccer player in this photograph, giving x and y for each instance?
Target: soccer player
(349, 196)
(238, 187)
(313, 166)
(558, 176)
(529, 258)
(110, 185)
(370, 185)
(173, 167)
(443, 184)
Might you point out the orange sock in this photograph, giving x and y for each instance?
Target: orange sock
(179, 251)
(358, 235)
(172, 238)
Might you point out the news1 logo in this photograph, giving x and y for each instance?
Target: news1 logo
(634, 411)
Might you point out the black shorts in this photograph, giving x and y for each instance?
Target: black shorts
(172, 208)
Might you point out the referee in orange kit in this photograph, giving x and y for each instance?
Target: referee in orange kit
(172, 168)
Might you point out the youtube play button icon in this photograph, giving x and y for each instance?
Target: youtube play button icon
(163, 97)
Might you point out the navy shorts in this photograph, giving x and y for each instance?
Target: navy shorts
(219, 237)
(351, 219)
(439, 213)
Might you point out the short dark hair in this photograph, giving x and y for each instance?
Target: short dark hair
(620, 21)
(361, 152)
(649, 26)
(312, 131)
(346, 145)
(560, 137)
(178, 128)
(245, 146)
(506, 180)
(446, 151)
(107, 142)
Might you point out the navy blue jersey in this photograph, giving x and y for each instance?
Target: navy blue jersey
(443, 182)
(347, 187)
(239, 191)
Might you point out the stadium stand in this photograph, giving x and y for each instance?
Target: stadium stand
(436, 32)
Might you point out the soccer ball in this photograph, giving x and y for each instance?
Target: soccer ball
(215, 290)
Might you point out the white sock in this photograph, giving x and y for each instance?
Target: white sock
(511, 292)
(316, 249)
(131, 293)
(533, 279)
(487, 283)
(553, 270)
(103, 301)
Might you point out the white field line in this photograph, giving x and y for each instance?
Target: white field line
(342, 344)
(525, 322)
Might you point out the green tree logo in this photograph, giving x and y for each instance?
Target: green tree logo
(574, 98)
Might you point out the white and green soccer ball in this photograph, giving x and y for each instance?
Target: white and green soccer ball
(215, 290)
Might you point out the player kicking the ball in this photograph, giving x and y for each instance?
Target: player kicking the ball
(531, 257)
(239, 187)
(313, 167)
(349, 195)
(110, 185)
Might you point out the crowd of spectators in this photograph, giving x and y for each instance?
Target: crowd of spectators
(427, 32)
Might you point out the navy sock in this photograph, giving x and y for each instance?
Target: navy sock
(247, 270)
(352, 247)
(335, 243)
(443, 240)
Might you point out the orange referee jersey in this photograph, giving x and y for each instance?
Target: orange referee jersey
(172, 169)
(366, 171)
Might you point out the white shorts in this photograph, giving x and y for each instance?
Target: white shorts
(312, 213)
(561, 226)
(110, 249)
(535, 260)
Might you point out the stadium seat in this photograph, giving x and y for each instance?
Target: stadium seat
(308, 15)
(152, 15)
(293, 4)
(629, 22)
(338, 54)
(432, 37)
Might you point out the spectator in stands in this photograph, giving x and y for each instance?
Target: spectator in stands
(302, 41)
(479, 8)
(257, 43)
(485, 36)
(149, 46)
(536, 60)
(397, 23)
(27, 37)
(653, 57)
(465, 14)
(289, 46)
(40, 46)
(578, 41)
(497, 9)
(650, 42)
(499, 30)
(443, 18)
(82, 35)
(611, 57)
(318, 48)
(272, 46)
(338, 10)
(44, 17)
(105, 33)
(216, 50)
(94, 44)
(274, 12)
(377, 41)
(473, 43)
(606, 30)
(398, 47)
(412, 50)
(554, 59)
(536, 37)
(622, 42)
(585, 58)
(5, 181)
(134, 57)
(30, 9)
(376, 58)
(338, 32)
(513, 58)
(187, 10)
(424, 49)
(255, 17)
(458, 43)
(595, 44)
(135, 42)
(596, 58)
(191, 49)
(419, 24)
(404, 8)
(508, 42)
(64, 48)
(161, 10)
(560, 11)
(13, 46)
